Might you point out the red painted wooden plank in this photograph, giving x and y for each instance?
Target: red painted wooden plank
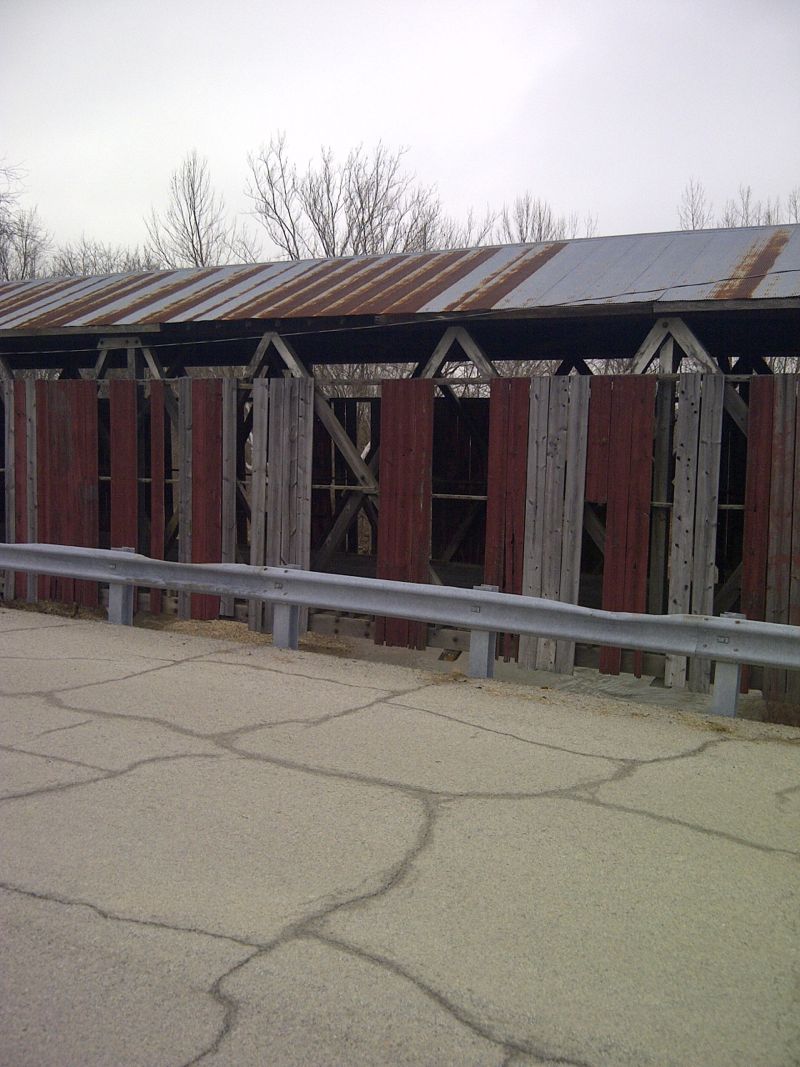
(47, 588)
(20, 479)
(404, 529)
(598, 438)
(619, 469)
(206, 484)
(493, 568)
(506, 488)
(157, 518)
(642, 397)
(67, 477)
(124, 465)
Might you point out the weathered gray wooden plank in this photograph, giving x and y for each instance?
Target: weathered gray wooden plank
(305, 445)
(228, 501)
(9, 454)
(577, 437)
(289, 483)
(682, 526)
(705, 522)
(258, 491)
(659, 519)
(184, 486)
(553, 526)
(325, 412)
(533, 550)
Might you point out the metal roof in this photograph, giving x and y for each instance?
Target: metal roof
(748, 264)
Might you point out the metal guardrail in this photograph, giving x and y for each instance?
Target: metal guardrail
(729, 640)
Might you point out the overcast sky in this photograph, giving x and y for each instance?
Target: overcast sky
(605, 107)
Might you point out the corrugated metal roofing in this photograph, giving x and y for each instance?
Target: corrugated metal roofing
(754, 263)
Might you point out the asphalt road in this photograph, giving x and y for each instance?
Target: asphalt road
(224, 853)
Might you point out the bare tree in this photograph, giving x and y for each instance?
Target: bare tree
(531, 219)
(747, 211)
(24, 242)
(194, 230)
(694, 210)
(88, 256)
(367, 204)
(793, 204)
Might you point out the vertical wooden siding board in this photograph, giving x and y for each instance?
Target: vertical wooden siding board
(124, 465)
(67, 476)
(424, 447)
(682, 526)
(496, 482)
(577, 430)
(184, 485)
(659, 535)
(10, 483)
(31, 477)
(778, 572)
(206, 508)
(87, 512)
(756, 502)
(757, 494)
(258, 491)
(230, 429)
(780, 520)
(388, 528)
(157, 458)
(23, 532)
(599, 430)
(553, 528)
(39, 474)
(705, 532)
(516, 481)
(515, 490)
(619, 473)
(535, 506)
(793, 677)
(305, 451)
(642, 401)
(405, 506)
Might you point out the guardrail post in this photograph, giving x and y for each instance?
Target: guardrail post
(285, 619)
(120, 599)
(482, 646)
(727, 679)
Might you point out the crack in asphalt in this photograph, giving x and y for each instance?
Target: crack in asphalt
(510, 1045)
(225, 736)
(299, 674)
(107, 775)
(110, 916)
(60, 729)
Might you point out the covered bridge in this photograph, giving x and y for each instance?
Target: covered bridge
(612, 421)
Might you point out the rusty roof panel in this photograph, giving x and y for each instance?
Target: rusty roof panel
(750, 264)
(753, 268)
(505, 281)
